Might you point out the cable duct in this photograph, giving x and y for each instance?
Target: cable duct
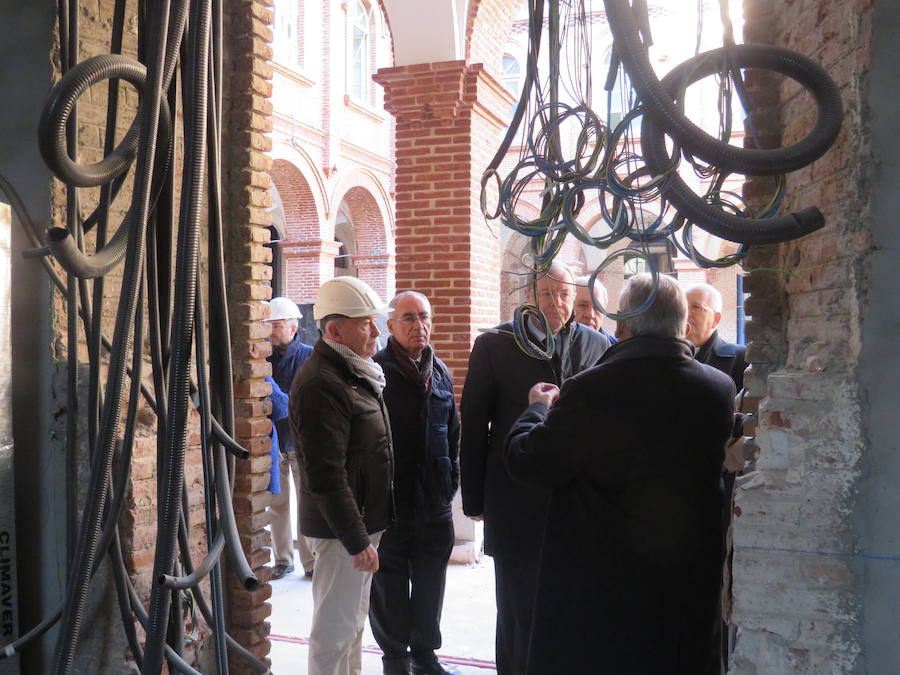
(573, 155)
(189, 368)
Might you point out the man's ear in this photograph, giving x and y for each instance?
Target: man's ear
(333, 330)
(716, 319)
(390, 325)
(688, 328)
(623, 332)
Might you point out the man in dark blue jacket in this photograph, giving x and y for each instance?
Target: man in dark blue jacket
(408, 589)
(288, 354)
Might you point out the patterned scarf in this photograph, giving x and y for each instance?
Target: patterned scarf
(364, 368)
(419, 373)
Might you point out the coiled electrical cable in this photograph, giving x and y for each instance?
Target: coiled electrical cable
(658, 101)
(694, 207)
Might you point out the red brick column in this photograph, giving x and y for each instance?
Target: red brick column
(449, 122)
(245, 127)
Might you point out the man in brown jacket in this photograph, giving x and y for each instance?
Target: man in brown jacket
(343, 443)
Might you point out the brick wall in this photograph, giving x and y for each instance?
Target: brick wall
(795, 583)
(247, 201)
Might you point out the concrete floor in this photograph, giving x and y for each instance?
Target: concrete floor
(467, 624)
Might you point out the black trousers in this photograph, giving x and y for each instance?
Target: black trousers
(515, 580)
(408, 589)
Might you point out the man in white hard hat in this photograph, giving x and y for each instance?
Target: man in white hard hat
(343, 438)
(288, 354)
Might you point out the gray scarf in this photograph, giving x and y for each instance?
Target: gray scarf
(364, 368)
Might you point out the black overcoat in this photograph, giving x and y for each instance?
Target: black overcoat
(495, 393)
(631, 559)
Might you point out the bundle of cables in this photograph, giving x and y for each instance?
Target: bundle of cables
(573, 156)
(181, 37)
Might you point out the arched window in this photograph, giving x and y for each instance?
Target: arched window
(511, 76)
(511, 79)
(285, 41)
(360, 48)
(345, 235)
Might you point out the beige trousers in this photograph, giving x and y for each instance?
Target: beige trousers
(340, 607)
(280, 517)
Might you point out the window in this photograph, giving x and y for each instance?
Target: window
(511, 79)
(617, 102)
(285, 41)
(360, 70)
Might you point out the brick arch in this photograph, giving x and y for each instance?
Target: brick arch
(307, 254)
(373, 257)
(302, 215)
(487, 31)
(287, 159)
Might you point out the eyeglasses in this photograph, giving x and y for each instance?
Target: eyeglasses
(410, 319)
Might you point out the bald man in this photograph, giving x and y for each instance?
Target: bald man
(495, 393)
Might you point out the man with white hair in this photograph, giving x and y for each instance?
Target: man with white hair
(586, 311)
(288, 354)
(704, 315)
(631, 555)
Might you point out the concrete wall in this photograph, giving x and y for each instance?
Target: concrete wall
(26, 39)
(802, 565)
(877, 518)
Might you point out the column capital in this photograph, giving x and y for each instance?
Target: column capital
(311, 248)
(426, 91)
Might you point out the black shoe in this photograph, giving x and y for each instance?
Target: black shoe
(430, 667)
(308, 573)
(280, 571)
(395, 665)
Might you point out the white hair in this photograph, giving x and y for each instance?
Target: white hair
(402, 294)
(665, 317)
(599, 289)
(713, 297)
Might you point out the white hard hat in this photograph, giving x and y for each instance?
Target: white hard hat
(347, 296)
(283, 308)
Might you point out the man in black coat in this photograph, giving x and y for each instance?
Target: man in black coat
(408, 588)
(495, 393)
(704, 315)
(632, 551)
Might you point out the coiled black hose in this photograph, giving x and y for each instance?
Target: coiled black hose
(658, 102)
(52, 144)
(691, 205)
(124, 329)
